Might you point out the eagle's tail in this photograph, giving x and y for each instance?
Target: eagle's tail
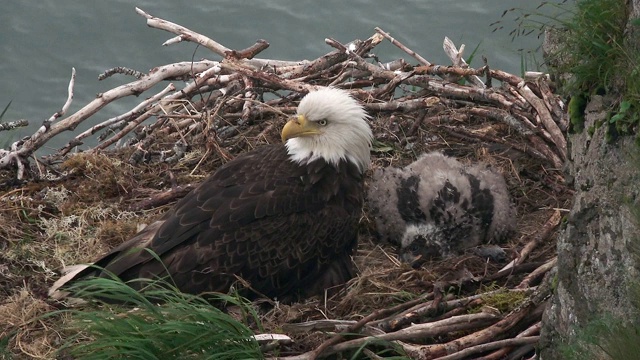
(74, 272)
(68, 274)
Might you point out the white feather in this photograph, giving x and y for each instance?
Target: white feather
(346, 136)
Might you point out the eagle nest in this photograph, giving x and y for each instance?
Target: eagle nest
(70, 206)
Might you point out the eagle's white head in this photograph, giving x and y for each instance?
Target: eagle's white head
(332, 125)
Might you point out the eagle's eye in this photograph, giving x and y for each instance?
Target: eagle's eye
(322, 122)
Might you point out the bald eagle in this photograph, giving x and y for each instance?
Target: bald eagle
(282, 217)
(437, 207)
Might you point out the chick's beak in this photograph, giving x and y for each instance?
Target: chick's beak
(297, 127)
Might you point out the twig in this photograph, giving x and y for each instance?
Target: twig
(183, 33)
(485, 335)
(491, 346)
(537, 239)
(402, 47)
(441, 70)
(13, 124)
(418, 331)
(500, 354)
(318, 325)
(120, 70)
(455, 55)
(407, 105)
(537, 273)
(42, 135)
(250, 52)
(138, 108)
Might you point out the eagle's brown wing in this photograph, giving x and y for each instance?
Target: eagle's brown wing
(286, 229)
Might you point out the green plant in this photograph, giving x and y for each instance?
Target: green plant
(604, 339)
(158, 322)
(594, 56)
(598, 56)
(5, 143)
(4, 347)
(5, 110)
(594, 50)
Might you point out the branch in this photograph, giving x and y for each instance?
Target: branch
(456, 57)
(539, 237)
(485, 335)
(537, 273)
(13, 124)
(140, 107)
(42, 135)
(402, 47)
(156, 75)
(418, 331)
(183, 33)
(502, 353)
(491, 346)
(162, 198)
(545, 116)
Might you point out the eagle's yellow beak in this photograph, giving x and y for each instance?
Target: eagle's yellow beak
(299, 126)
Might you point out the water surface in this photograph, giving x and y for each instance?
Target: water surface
(42, 40)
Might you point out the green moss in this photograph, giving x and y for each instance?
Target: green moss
(504, 300)
(604, 339)
(554, 283)
(577, 104)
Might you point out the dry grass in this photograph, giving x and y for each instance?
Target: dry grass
(82, 211)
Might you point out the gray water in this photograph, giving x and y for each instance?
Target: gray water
(41, 40)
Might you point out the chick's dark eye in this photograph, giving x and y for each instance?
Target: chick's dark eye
(322, 122)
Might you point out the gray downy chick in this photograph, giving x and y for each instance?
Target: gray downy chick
(436, 207)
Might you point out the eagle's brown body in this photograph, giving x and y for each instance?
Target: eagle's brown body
(238, 223)
(281, 219)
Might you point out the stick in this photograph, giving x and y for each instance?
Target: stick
(545, 116)
(183, 33)
(539, 272)
(491, 346)
(458, 323)
(397, 43)
(491, 332)
(537, 238)
(13, 124)
(456, 57)
(500, 354)
(77, 140)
